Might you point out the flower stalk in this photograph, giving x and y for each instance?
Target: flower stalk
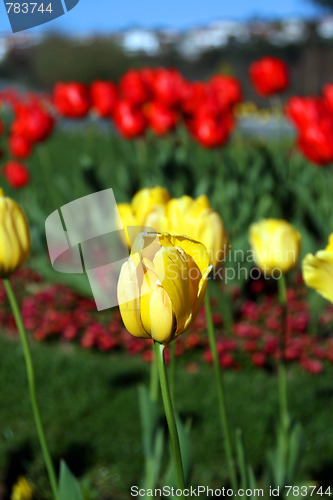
(170, 416)
(32, 387)
(282, 372)
(220, 393)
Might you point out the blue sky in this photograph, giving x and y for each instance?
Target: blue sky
(108, 15)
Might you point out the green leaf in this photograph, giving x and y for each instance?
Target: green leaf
(186, 453)
(295, 450)
(69, 488)
(149, 412)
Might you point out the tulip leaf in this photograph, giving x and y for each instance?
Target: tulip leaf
(241, 459)
(149, 412)
(186, 453)
(295, 450)
(69, 488)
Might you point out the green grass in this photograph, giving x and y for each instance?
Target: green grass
(89, 405)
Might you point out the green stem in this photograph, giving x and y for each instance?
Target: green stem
(31, 383)
(172, 371)
(282, 371)
(170, 416)
(220, 392)
(153, 377)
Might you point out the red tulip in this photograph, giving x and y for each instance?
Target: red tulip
(328, 96)
(16, 174)
(129, 121)
(19, 146)
(269, 76)
(226, 90)
(160, 118)
(33, 122)
(133, 88)
(167, 86)
(103, 97)
(2, 127)
(303, 111)
(71, 99)
(211, 132)
(192, 95)
(316, 142)
(148, 77)
(209, 107)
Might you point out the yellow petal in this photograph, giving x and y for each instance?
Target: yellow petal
(161, 316)
(128, 299)
(318, 273)
(195, 249)
(198, 206)
(171, 267)
(147, 198)
(198, 301)
(329, 247)
(177, 209)
(14, 237)
(156, 219)
(149, 283)
(128, 220)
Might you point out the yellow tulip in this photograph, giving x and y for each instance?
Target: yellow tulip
(14, 236)
(162, 285)
(147, 210)
(197, 220)
(22, 490)
(276, 245)
(146, 199)
(318, 271)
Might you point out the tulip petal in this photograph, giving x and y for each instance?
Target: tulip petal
(318, 273)
(171, 267)
(128, 299)
(128, 220)
(329, 247)
(161, 316)
(149, 283)
(195, 249)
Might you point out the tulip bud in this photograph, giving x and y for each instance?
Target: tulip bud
(162, 285)
(276, 245)
(318, 271)
(14, 236)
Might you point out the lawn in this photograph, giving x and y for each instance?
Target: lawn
(90, 408)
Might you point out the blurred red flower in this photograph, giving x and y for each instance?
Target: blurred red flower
(269, 76)
(133, 88)
(19, 146)
(210, 131)
(167, 86)
(303, 111)
(160, 118)
(16, 173)
(316, 142)
(129, 121)
(33, 122)
(327, 92)
(226, 90)
(71, 99)
(192, 95)
(103, 97)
